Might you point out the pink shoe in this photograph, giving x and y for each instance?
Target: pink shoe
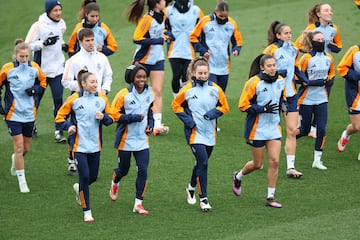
(162, 130)
(113, 193)
(271, 203)
(236, 185)
(140, 209)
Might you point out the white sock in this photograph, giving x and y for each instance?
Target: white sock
(317, 156)
(157, 119)
(239, 175)
(71, 161)
(271, 192)
(21, 176)
(290, 159)
(138, 201)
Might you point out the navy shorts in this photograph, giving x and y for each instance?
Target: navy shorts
(353, 112)
(158, 66)
(292, 103)
(17, 128)
(259, 143)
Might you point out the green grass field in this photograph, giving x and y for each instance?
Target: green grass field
(321, 205)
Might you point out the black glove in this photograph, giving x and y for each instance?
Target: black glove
(271, 108)
(65, 47)
(30, 91)
(51, 40)
(2, 111)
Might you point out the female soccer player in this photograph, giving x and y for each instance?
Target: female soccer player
(23, 81)
(132, 109)
(104, 39)
(181, 18)
(260, 98)
(286, 56)
(318, 66)
(349, 69)
(319, 18)
(91, 109)
(149, 40)
(198, 105)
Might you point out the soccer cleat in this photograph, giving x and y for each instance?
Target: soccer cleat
(113, 193)
(77, 194)
(72, 169)
(140, 209)
(24, 187)
(205, 205)
(319, 165)
(162, 130)
(271, 203)
(191, 199)
(236, 185)
(88, 216)
(13, 169)
(359, 156)
(59, 137)
(342, 141)
(293, 173)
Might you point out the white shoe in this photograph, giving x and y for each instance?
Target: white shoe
(59, 137)
(342, 141)
(319, 165)
(13, 169)
(114, 190)
(140, 209)
(205, 205)
(359, 156)
(72, 169)
(191, 199)
(77, 194)
(88, 216)
(24, 188)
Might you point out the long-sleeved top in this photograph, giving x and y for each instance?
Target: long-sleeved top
(255, 95)
(127, 108)
(95, 62)
(50, 58)
(198, 107)
(317, 67)
(102, 36)
(18, 77)
(209, 35)
(181, 25)
(349, 68)
(287, 57)
(83, 106)
(149, 41)
(333, 42)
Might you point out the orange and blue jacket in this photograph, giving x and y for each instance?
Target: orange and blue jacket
(102, 34)
(18, 77)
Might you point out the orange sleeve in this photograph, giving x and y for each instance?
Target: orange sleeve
(304, 61)
(179, 99)
(347, 60)
(237, 34)
(337, 39)
(331, 73)
(142, 28)
(117, 104)
(73, 38)
(110, 39)
(195, 34)
(41, 74)
(66, 108)
(248, 93)
(4, 71)
(224, 106)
